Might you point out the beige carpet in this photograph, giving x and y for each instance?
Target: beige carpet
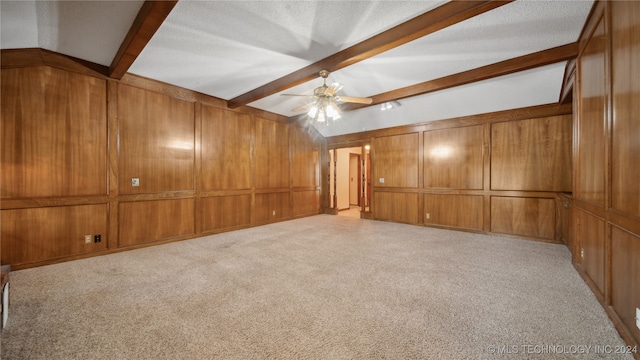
(323, 287)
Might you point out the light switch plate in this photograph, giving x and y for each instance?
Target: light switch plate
(381, 180)
(135, 182)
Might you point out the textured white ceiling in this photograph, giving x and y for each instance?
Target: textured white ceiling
(227, 48)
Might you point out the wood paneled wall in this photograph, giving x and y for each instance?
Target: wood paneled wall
(72, 141)
(496, 173)
(606, 197)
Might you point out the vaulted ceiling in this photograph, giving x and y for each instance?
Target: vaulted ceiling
(438, 59)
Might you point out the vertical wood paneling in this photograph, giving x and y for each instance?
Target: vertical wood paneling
(305, 165)
(147, 221)
(625, 138)
(453, 158)
(220, 212)
(523, 216)
(462, 211)
(591, 232)
(157, 137)
(272, 154)
(400, 207)
(225, 149)
(592, 119)
(54, 133)
(306, 202)
(39, 234)
(625, 277)
(272, 206)
(396, 160)
(532, 154)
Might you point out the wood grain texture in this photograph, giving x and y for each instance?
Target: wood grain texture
(148, 221)
(625, 136)
(305, 159)
(533, 217)
(590, 231)
(453, 158)
(226, 143)
(532, 154)
(396, 160)
(40, 234)
(157, 140)
(625, 277)
(54, 134)
(272, 206)
(396, 206)
(221, 212)
(461, 211)
(272, 154)
(591, 167)
(306, 203)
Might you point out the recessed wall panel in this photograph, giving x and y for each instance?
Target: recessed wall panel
(220, 212)
(532, 154)
(54, 133)
(157, 137)
(462, 211)
(453, 158)
(225, 149)
(148, 221)
(40, 234)
(272, 155)
(394, 206)
(396, 161)
(532, 217)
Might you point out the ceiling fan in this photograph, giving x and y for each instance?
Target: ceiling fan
(324, 104)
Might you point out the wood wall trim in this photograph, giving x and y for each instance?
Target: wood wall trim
(147, 22)
(568, 80)
(437, 19)
(20, 58)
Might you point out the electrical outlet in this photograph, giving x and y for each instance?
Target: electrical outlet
(582, 253)
(274, 213)
(87, 239)
(428, 216)
(135, 182)
(638, 318)
(381, 180)
(97, 238)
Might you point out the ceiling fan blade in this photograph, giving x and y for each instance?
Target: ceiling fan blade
(296, 95)
(302, 107)
(353, 99)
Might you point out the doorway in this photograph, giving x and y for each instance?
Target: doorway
(348, 181)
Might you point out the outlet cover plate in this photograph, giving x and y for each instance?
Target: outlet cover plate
(135, 182)
(638, 318)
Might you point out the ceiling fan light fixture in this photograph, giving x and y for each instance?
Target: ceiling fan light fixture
(332, 111)
(313, 111)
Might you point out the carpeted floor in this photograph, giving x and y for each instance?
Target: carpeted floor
(322, 287)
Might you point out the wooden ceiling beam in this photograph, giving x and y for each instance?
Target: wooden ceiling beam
(437, 19)
(525, 62)
(150, 17)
